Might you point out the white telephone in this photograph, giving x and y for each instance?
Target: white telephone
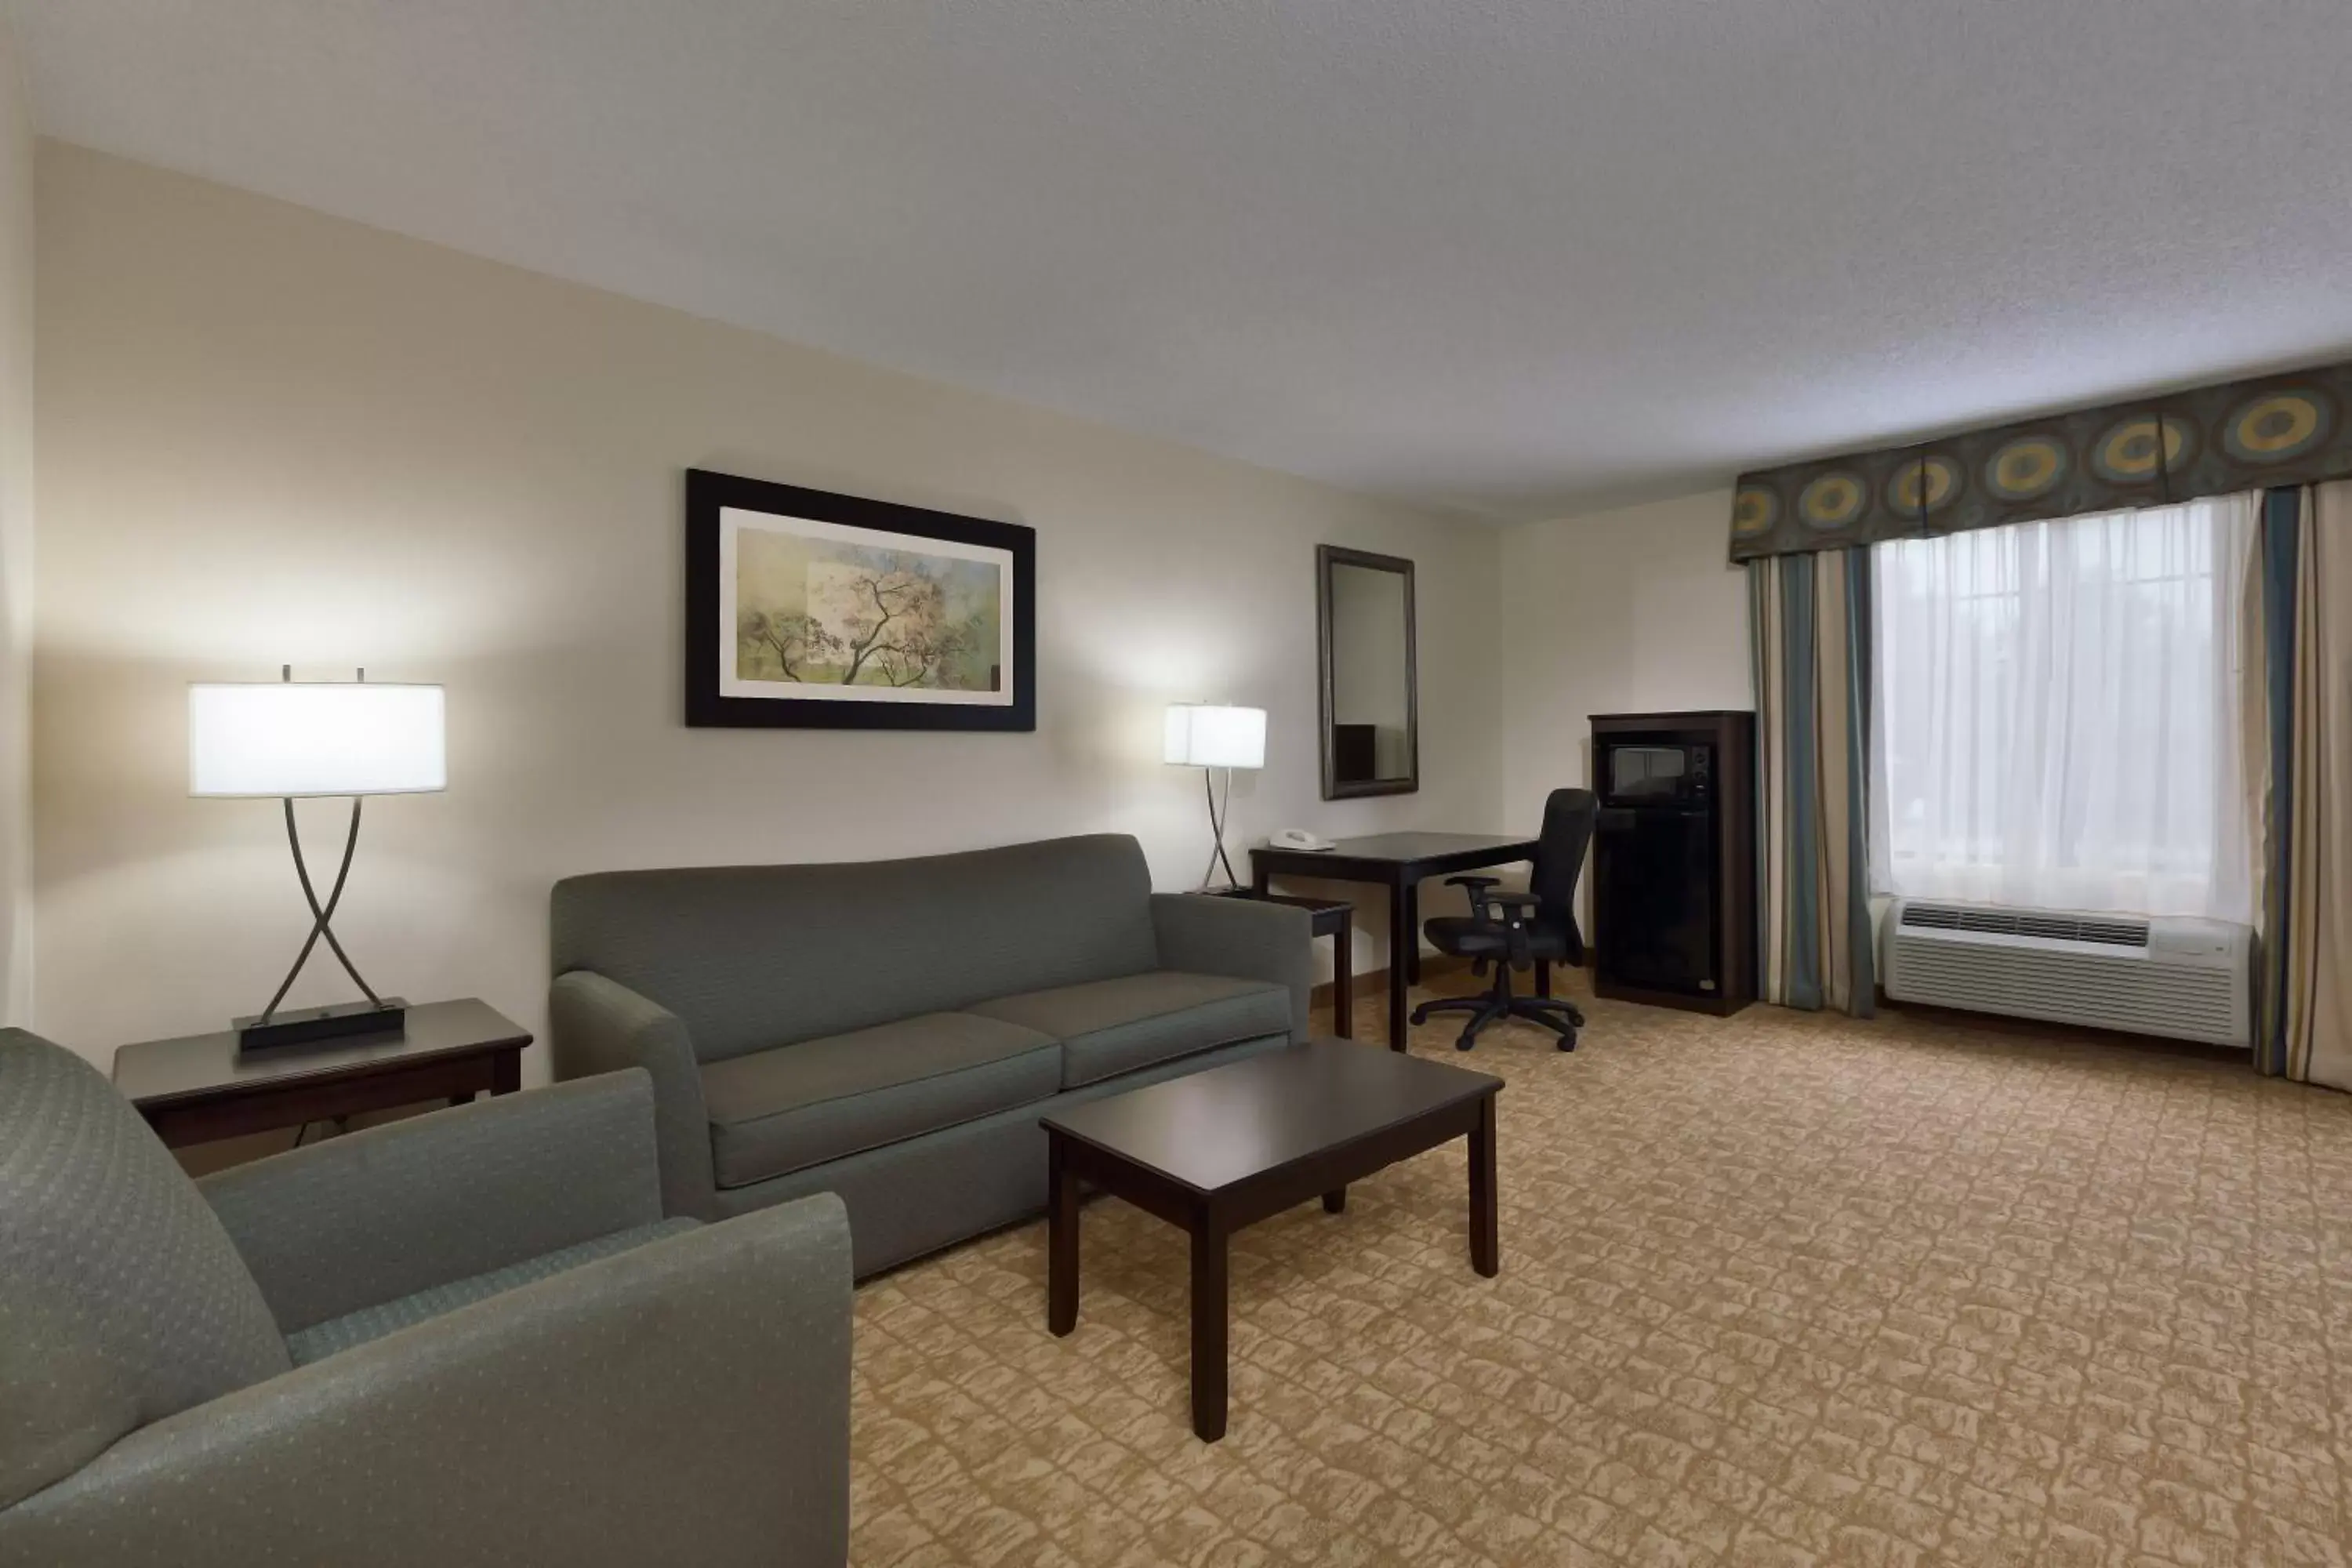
(1296, 838)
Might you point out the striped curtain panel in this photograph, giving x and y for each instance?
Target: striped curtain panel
(2304, 1029)
(1808, 618)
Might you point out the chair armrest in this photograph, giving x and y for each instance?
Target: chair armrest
(1476, 888)
(384, 1213)
(599, 1025)
(1244, 938)
(684, 1402)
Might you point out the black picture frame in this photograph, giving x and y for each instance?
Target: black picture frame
(707, 494)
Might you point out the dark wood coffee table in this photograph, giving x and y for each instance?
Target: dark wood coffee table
(1236, 1145)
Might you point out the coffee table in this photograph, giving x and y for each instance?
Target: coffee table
(1225, 1148)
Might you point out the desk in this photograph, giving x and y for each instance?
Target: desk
(197, 1089)
(1397, 861)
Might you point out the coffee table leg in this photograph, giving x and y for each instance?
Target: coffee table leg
(1485, 1247)
(1061, 1242)
(1336, 1200)
(1209, 1309)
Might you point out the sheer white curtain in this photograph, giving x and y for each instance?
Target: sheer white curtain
(2057, 715)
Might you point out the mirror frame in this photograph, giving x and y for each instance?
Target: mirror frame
(1326, 557)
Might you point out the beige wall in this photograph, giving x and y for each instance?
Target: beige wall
(16, 539)
(1627, 611)
(269, 436)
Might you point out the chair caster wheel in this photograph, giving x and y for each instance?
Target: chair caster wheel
(1466, 1042)
(1421, 1013)
(1567, 1042)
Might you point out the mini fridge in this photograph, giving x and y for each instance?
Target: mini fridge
(1674, 858)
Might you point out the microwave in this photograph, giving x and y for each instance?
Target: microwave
(1656, 773)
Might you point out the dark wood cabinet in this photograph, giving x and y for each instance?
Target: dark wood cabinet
(1674, 858)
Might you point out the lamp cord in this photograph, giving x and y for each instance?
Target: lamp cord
(321, 915)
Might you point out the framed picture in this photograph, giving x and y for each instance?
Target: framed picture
(810, 610)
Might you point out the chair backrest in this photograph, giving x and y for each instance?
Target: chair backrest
(122, 1299)
(756, 956)
(1560, 859)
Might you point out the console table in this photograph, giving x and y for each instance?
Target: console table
(1399, 862)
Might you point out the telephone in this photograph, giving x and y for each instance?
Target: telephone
(1296, 838)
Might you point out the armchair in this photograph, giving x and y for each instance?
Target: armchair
(469, 1338)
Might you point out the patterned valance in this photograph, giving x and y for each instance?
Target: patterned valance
(2249, 435)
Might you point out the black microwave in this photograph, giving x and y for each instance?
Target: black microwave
(1656, 773)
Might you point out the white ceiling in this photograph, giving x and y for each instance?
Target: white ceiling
(1514, 256)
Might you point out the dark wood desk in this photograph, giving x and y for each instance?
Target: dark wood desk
(1397, 861)
(1227, 1148)
(195, 1088)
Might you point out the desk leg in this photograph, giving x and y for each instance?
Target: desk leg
(1403, 940)
(1486, 1245)
(1258, 878)
(1413, 932)
(1209, 1316)
(1061, 1241)
(1343, 980)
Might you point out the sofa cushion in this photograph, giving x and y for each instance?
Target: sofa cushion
(1111, 1027)
(784, 1110)
(338, 1334)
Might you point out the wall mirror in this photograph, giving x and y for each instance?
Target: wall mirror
(1371, 728)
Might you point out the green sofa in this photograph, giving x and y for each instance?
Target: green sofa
(892, 1030)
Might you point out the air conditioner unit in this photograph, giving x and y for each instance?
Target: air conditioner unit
(2178, 976)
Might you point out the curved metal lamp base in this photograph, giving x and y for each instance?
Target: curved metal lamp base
(269, 1028)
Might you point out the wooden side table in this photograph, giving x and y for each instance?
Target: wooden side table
(1334, 918)
(196, 1088)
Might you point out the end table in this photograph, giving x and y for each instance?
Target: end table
(197, 1088)
(1334, 918)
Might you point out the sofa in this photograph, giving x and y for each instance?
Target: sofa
(467, 1338)
(891, 1031)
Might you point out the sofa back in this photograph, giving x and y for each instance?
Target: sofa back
(756, 956)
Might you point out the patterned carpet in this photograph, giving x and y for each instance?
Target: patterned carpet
(1776, 1289)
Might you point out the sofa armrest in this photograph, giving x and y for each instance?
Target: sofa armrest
(392, 1210)
(599, 1025)
(684, 1402)
(1244, 938)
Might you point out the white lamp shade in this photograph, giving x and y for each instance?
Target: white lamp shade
(304, 737)
(1201, 735)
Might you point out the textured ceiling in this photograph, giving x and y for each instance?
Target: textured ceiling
(1513, 256)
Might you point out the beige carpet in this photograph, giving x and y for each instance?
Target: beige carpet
(1776, 1289)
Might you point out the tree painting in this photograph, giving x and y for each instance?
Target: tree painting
(815, 610)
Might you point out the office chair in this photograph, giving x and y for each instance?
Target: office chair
(1514, 931)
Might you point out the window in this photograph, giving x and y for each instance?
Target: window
(2056, 717)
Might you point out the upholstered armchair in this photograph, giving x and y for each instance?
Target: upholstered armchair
(467, 1338)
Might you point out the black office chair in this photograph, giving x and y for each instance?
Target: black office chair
(1514, 931)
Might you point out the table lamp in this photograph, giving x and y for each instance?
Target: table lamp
(292, 740)
(1205, 735)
